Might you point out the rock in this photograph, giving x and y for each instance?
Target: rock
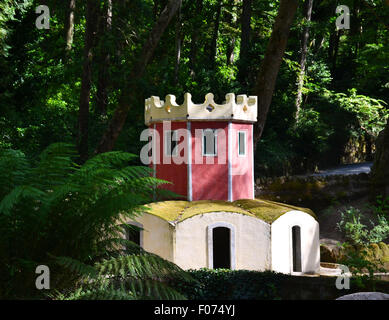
(365, 296)
(330, 251)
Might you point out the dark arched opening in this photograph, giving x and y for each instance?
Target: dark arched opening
(221, 247)
(296, 245)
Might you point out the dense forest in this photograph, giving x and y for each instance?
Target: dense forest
(79, 80)
(323, 95)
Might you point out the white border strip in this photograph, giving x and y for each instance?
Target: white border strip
(252, 163)
(189, 166)
(229, 162)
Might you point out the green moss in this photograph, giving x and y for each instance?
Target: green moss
(205, 206)
(267, 211)
(167, 210)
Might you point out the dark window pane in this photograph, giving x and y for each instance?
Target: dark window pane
(209, 142)
(242, 143)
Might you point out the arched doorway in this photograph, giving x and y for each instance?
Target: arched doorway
(296, 249)
(221, 246)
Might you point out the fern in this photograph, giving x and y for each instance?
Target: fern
(55, 208)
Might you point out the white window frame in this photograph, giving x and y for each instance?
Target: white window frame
(214, 131)
(170, 134)
(245, 143)
(232, 243)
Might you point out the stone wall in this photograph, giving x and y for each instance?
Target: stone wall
(313, 191)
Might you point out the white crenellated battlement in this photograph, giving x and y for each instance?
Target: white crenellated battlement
(243, 109)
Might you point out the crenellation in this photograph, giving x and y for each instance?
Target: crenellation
(241, 108)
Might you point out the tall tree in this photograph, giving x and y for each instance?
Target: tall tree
(69, 23)
(86, 78)
(110, 136)
(303, 55)
(194, 37)
(105, 27)
(245, 40)
(380, 169)
(230, 19)
(271, 63)
(213, 47)
(178, 45)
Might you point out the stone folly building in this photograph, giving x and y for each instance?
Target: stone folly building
(220, 224)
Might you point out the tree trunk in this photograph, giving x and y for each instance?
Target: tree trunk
(333, 50)
(303, 56)
(230, 57)
(125, 100)
(103, 77)
(380, 169)
(83, 115)
(271, 63)
(178, 45)
(245, 41)
(69, 24)
(213, 51)
(194, 38)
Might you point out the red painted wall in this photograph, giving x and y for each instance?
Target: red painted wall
(242, 166)
(175, 173)
(209, 181)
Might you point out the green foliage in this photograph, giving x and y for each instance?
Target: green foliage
(358, 233)
(357, 251)
(224, 284)
(344, 96)
(52, 208)
(371, 113)
(133, 276)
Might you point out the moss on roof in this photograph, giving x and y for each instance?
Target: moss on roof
(176, 211)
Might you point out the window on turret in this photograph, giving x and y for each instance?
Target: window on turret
(209, 142)
(242, 143)
(171, 142)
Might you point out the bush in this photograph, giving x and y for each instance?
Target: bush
(223, 284)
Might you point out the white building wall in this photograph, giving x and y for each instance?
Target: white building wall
(281, 244)
(157, 236)
(251, 241)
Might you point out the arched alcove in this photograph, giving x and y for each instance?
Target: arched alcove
(221, 246)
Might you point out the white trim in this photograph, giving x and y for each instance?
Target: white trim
(173, 137)
(154, 153)
(232, 243)
(154, 159)
(245, 143)
(189, 166)
(137, 224)
(229, 155)
(252, 156)
(156, 120)
(214, 132)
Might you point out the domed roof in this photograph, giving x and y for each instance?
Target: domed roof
(177, 211)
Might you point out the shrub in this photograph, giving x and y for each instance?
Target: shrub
(223, 284)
